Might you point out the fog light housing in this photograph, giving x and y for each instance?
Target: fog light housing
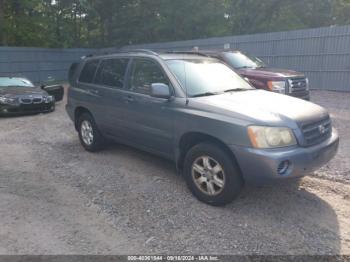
(283, 167)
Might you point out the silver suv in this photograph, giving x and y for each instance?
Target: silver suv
(196, 111)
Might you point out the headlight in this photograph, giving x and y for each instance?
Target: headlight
(48, 99)
(6, 100)
(271, 137)
(277, 86)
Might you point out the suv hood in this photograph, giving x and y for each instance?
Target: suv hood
(21, 91)
(266, 72)
(261, 107)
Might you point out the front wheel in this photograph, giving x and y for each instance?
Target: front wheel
(53, 108)
(89, 135)
(212, 175)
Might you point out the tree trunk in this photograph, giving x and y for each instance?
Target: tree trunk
(2, 21)
(58, 24)
(109, 30)
(75, 24)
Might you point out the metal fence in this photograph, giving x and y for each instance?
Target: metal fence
(323, 54)
(39, 64)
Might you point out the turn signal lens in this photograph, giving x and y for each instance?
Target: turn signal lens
(277, 86)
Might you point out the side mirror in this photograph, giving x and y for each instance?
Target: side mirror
(57, 91)
(42, 86)
(160, 90)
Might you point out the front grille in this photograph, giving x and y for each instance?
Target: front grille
(26, 100)
(31, 100)
(37, 100)
(316, 132)
(298, 84)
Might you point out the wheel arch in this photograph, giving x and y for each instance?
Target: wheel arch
(77, 113)
(190, 139)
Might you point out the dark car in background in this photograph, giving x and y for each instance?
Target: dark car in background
(18, 96)
(261, 76)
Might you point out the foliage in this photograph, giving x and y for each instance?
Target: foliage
(106, 23)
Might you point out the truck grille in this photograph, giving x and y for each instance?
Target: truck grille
(316, 132)
(298, 84)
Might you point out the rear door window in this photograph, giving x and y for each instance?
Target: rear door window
(144, 73)
(112, 72)
(88, 72)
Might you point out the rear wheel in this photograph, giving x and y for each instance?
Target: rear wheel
(211, 174)
(89, 135)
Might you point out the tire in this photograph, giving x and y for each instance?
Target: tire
(53, 108)
(229, 178)
(50, 111)
(86, 125)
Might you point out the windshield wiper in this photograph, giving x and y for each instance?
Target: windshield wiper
(244, 67)
(16, 86)
(238, 90)
(206, 94)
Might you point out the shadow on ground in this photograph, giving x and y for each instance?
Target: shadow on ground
(143, 194)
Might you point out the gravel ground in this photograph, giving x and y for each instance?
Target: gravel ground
(56, 198)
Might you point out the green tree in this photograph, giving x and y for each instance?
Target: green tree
(2, 23)
(108, 23)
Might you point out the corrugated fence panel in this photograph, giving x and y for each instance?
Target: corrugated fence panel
(323, 54)
(39, 64)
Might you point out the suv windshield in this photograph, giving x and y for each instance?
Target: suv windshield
(200, 77)
(14, 81)
(239, 60)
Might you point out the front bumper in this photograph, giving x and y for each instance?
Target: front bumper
(10, 110)
(302, 94)
(261, 165)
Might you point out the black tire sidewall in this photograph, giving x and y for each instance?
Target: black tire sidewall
(233, 178)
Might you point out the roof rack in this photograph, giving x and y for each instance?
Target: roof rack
(187, 53)
(223, 50)
(146, 51)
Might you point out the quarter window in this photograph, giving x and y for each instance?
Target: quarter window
(88, 72)
(145, 73)
(112, 72)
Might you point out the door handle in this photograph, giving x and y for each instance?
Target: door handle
(94, 91)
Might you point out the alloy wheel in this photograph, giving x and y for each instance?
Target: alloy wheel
(87, 133)
(208, 175)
